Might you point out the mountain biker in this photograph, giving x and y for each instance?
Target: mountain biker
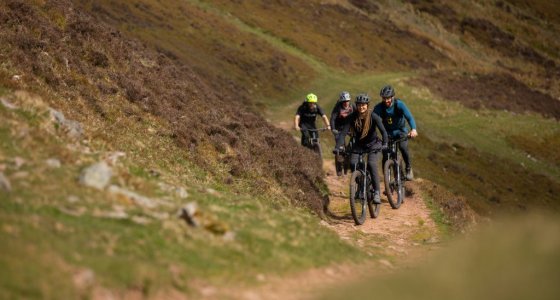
(340, 122)
(306, 115)
(394, 112)
(363, 123)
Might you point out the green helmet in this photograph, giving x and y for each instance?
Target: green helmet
(311, 98)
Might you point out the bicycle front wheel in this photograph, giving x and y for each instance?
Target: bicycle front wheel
(373, 208)
(393, 186)
(358, 198)
(318, 150)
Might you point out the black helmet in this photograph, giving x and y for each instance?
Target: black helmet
(387, 91)
(362, 98)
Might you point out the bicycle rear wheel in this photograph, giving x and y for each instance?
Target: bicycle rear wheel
(339, 164)
(393, 187)
(357, 198)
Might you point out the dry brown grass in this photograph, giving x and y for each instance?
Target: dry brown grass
(98, 73)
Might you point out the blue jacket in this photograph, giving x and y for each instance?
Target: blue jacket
(394, 117)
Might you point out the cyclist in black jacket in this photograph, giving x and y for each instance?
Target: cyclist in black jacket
(306, 115)
(363, 125)
(340, 118)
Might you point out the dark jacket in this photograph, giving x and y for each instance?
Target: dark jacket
(341, 116)
(371, 141)
(307, 116)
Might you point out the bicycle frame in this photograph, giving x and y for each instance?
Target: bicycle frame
(314, 136)
(361, 166)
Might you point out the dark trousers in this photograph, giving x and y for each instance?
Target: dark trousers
(372, 166)
(403, 146)
(306, 135)
(340, 137)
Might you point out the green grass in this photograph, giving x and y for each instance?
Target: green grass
(515, 259)
(48, 239)
(491, 165)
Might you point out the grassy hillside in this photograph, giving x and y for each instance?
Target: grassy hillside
(175, 97)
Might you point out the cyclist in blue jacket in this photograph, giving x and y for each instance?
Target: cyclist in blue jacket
(393, 113)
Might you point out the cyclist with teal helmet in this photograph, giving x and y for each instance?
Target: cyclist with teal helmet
(306, 115)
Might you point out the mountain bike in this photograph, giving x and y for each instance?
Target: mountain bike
(361, 192)
(313, 142)
(393, 172)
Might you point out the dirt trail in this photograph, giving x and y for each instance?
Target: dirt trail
(395, 240)
(398, 233)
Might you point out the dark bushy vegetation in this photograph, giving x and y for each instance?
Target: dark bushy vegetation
(492, 91)
(81, 59)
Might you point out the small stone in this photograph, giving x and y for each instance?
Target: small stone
(5, 183)
(96, 176)
(330, 272)
(261, 277)
(7, 104)
(84, 278)
(188, 212)
(134, 197)
(73, 128)
(20, 175)
(211, 191)
(386, 263)
(158, 215)
(141, 220)
(16, 77)
(18, 161)
(53, 163)
(181, 192)
(72, 199)
(76, 212)
(229, 236)
(113, 158)
(115, 214)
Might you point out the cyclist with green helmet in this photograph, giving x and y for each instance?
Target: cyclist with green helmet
(306, 115)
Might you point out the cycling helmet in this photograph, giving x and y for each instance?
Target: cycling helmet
(344, 96)
(311, 98)
(387, 91)
(362, 98)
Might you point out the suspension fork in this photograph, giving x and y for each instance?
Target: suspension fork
(397, 165)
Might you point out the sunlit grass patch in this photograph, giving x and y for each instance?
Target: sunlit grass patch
(515, 258)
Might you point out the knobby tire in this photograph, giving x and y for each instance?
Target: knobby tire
(357, 205)
(394, 191)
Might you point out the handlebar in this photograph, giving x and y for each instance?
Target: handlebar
(398, 139)
(314, 130)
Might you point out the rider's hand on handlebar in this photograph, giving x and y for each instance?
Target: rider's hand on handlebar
(297, 128)
(334, 131)
(384, 147)
(413, 133)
